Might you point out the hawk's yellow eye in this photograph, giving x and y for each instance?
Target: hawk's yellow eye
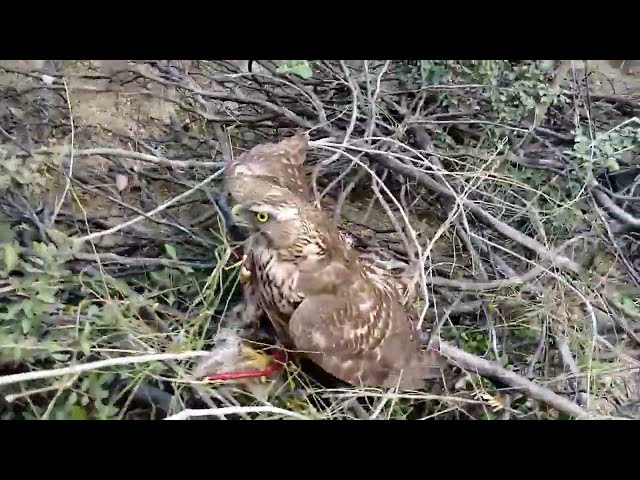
(262, 217)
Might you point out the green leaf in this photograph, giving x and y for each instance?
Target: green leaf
(629, 307)
(303, 70)
(26, 325)
(60, 238)
(504, 360)
(112, 314)
(78, 413)
(171, 251)
(43, 250)
(607, 149)
(300, 68)
(6, 233)
(46, 293)
(11, 164)
(612, 165)
(85, 346)
(10, 257)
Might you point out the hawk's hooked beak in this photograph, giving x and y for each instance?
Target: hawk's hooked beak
(239, 219)
(233, 230)
(236, 210)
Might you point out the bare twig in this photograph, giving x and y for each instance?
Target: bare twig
(86, 367)
(285, 112)
(139, 261)
(70, 174)
(160, 208)
(222, 412)
(144, 157)
(539, 349)
(6, 135)
(374, 100)
(615, 210)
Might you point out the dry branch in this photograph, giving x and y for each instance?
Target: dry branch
(412, 172)
(87, 367)
(139, 218)
(144, 157)
(494, 370)
(222, 412)
(614, 210)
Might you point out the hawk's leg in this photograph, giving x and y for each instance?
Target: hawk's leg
(245, 316)
(233, 356)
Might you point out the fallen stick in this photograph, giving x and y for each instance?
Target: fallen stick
(222, 411)
(86, 367)
(158, 209)
(486, 368)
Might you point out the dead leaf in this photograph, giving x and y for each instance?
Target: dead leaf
(121, 181)
(48, 79)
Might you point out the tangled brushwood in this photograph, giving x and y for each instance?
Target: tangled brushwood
(510, 190)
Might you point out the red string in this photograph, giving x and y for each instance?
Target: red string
(237, 252)
(279, 358)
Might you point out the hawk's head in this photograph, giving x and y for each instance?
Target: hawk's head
(286, 221)
(279, 223)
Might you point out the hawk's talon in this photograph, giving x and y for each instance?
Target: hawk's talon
(244, 275)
